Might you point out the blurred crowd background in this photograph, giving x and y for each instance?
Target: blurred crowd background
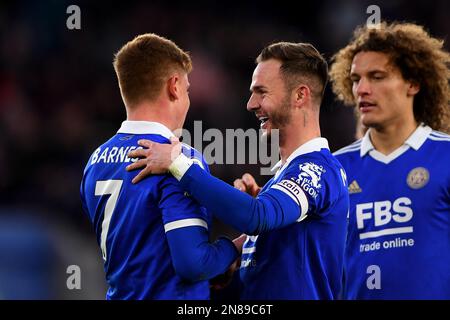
(59, 100)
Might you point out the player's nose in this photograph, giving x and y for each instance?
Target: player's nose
(362, 87)
(252, 103)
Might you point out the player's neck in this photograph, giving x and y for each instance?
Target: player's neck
(387, 139)
(295, 135)
(151, 113)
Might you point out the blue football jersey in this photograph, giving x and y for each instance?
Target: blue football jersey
(131, 220)
(303, 260)
(398, 244)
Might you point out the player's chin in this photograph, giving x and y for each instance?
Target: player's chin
(370, 121)
(269, 134)
(267, 129)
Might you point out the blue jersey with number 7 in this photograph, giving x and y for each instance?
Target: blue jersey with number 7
(153, 236)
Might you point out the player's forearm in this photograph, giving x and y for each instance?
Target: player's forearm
(228, 204)
(217, 257)
(241, 211)
(195, 259)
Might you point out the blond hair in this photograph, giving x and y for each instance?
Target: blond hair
(145, 63)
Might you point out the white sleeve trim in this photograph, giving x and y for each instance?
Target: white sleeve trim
(179, 166)
(294, 191)
(185, 223)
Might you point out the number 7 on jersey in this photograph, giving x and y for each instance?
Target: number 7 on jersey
(111, 187)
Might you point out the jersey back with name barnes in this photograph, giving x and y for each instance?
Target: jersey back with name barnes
(398, 243)
(130, 220)
(303, 260)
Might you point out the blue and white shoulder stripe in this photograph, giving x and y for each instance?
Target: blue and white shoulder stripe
(439, 136)
(355, 146)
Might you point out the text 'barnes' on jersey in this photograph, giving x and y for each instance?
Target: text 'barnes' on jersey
(147, 231)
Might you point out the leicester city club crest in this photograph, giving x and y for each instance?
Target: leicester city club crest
(418, 178)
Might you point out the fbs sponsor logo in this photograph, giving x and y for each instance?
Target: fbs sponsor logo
(371, 215)
(354, 187)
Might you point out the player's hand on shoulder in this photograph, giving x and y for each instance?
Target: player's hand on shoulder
(247, 184)
(155, 158)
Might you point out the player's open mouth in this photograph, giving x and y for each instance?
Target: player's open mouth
(263, 120)
(365, 106)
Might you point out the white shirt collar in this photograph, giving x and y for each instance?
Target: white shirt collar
(415, 140)
(145, 127)
(312, 145)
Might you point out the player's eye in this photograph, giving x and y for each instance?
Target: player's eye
(378, 76)
(263, 93)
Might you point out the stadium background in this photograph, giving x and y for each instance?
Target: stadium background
(59, 100)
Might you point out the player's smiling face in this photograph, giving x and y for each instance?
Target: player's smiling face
(269, 100)
(382, 95)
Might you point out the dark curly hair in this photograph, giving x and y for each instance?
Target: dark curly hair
(420, 58)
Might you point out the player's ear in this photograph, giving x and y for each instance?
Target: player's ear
(413, 88)
(301, 95)
(173, 87)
